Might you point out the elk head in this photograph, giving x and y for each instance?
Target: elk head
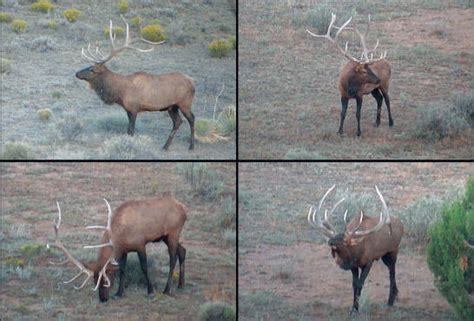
(344, 245)
(99, 59)
(103, 270)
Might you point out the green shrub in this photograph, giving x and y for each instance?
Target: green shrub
(450, 260)
(445, 119)
(16, 150)
(19, 25)
(31, 250)
(14, 262)
(300, 153)
(52, 24)
(153, 32)
(232, 5)
(116, 123)
(228, 121)
(42, 6)
(6, 17)
(207, 131)
(229, 236)
(117, 31)
(123, 6)
(217, 311)
(5, 65)
(204, 181)
(219, 48)
(69, 127)
(136, 22)
(233, 42)
(56, 94)
(44, 114)
(71, 15)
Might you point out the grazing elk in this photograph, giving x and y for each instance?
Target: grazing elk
(364, 240)
(359, 77)
(140, 91)
(129, 229)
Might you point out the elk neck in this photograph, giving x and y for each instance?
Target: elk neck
(110, 87)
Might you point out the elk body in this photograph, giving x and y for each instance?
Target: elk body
(364, 240)
(140, 92)
(129, 228)
(359, 77)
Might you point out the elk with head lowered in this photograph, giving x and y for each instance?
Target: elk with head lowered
(364, 240)
(129, 228)
(359, 77)
(141, 91)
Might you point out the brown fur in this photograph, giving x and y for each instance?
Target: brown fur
(136, 223)
(141, 92)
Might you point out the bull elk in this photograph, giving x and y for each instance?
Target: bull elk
(364, 240)
(129, 228)
(359, 77)
(141, 91)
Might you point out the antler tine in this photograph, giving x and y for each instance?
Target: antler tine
(103, 274)
(377, 227)
(385, 209)
(69, 257)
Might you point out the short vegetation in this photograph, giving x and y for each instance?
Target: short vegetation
(217, 311)
(16, 151)
(44, 114)
(19, 25)
(446, 119)
(451, 261)
(153, 32)
(6, 17)
(5, 66)
(71, 15)
(204, 181)
(116, 31)
(42, 6)
(220, 48)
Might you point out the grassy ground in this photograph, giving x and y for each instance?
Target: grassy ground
(32, 289)
(289, 104)
(286, 271)
(42, 63)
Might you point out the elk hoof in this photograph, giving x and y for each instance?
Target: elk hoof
(165, 148)
(353, 310)
(390, 123)
(191, 147)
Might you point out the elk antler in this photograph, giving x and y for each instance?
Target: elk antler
(58, 244)
(97, 56)
(364, 59)
(326, 228)
(102, 274)
(384, 218)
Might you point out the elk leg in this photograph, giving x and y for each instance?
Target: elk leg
(355, 281)
(359, 107)
(122, 264)
(172, 249)
(182, 258)
(144, 266)
(344, 102)
(131, 122)
(174, 114)
(379, 98)
(190, 117)
(387, 103)
(389, 259)
(360, 284)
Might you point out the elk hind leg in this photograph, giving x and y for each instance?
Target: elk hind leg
(181, 258)
(132, 117)
(172, 250)
(174, 114)
(387, 103)
(190, 118)
(390, 259)
(344, 103)
(379, 98)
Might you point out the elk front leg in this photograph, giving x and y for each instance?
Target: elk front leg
(122, 264)
(359, 107)
(132, 117)
(344, 103)
(144, 266)
(360, 284)
(355, 282)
